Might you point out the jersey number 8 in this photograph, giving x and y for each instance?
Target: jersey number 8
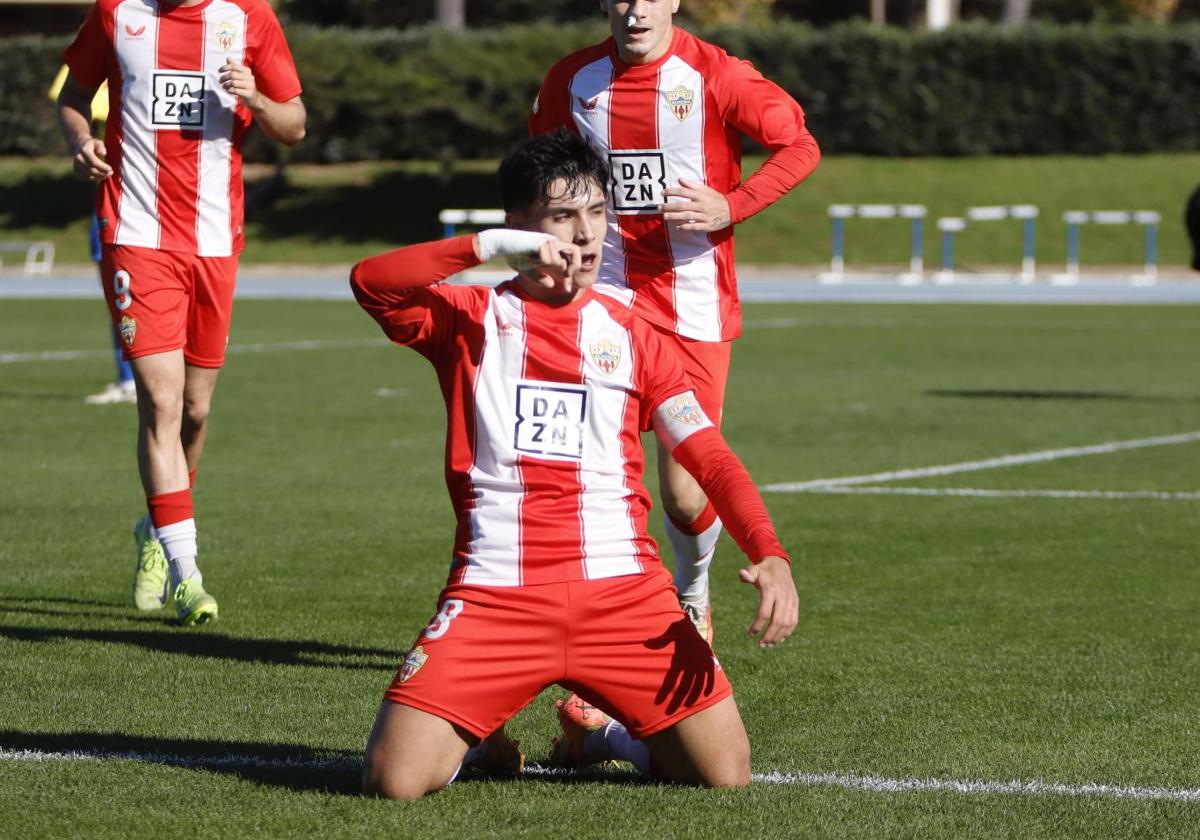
(441, 622)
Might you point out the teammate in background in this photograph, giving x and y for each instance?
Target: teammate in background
(121, 390)
(554, 577)
(186, 79)
(669, 111)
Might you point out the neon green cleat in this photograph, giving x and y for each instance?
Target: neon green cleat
(150, 576)
(195, 606)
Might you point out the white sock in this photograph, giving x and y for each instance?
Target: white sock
(614, 741)
(179, 544)
(693, 556)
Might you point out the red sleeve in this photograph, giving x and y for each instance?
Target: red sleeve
(394, 289)
(552, 108)
(763, 111)
(662, 374)
(729, 487)
(89, 54)
(271, 58)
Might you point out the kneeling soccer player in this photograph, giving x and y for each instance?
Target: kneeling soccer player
(555, 579)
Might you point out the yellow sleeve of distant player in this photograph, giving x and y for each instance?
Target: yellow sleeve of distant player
(99, 101)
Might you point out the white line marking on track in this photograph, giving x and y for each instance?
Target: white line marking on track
(850, 781)
(277, 347)
(987, 464)
(975, 492)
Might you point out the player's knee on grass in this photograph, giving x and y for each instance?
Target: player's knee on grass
(708, 749)
(411, 753)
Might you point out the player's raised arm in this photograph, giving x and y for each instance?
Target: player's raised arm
(699, 447)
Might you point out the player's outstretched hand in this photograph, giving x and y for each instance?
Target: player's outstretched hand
(698, 207)
(89, 160)
(238, 79)
(778, 601)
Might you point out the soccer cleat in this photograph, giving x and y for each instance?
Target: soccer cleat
(701, 616)
(501, 757)
(150, 577)
(577, 718)
(113, 393)
(195, 606)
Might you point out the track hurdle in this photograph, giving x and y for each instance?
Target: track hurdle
(1026, 213)
(1148, 219)
(839, 213)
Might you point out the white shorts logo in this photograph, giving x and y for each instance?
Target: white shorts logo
(551, 418)
(179, 99)
(638, 178)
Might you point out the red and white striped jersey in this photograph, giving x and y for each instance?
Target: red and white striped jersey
(174, 134)
(545, 405)
(682, 116)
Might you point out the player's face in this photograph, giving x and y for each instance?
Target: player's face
(577, 216)
(641, 28)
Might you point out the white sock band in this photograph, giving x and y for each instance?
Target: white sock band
(693, 556)
(179, 544)
(515, 246)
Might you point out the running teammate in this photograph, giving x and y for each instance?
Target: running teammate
(554, 577)
(669, 111)
(186, 79)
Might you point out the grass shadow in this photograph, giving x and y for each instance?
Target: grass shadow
(1051, 394)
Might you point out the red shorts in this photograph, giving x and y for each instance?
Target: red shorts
(168, 300)
(622, 644)
(707, 365)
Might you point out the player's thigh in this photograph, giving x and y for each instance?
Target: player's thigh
(210, 310)
(485, 654)
(632, 652)
(160, 379)
(147, 295)
(709, 748)
(411, 753)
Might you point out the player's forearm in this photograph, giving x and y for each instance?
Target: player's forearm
(729, 487)
(74, 119)
(782, 171)
(283, 122)
(386, 279)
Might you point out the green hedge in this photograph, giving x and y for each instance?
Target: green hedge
(424, 93)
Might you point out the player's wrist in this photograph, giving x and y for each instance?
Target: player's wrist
(80, 142)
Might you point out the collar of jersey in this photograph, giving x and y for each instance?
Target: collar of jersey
(165, 10)
(623, 69)
(548, 310)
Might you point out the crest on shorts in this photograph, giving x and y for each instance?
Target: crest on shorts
(606, 355)
(413, 660)
(680, 101)
(685, 409)
(225, 34)
(128, 329)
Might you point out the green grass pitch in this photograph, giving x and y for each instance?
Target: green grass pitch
(993, 639)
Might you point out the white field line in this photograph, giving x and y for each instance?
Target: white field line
(987, 464)
(974, 492)
(850, 781)
(313, 344)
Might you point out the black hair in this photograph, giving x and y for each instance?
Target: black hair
(531, 168)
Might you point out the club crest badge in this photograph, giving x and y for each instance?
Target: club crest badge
(128, 330)
(680, 101)
(225, 34)
(605, 355)
(685, 409)
(413, 660)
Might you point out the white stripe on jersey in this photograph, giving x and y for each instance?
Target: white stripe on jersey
(214, 236)
(495, 478)
(697, 305)
(592, 83)
(136, 221)
(608, 529)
